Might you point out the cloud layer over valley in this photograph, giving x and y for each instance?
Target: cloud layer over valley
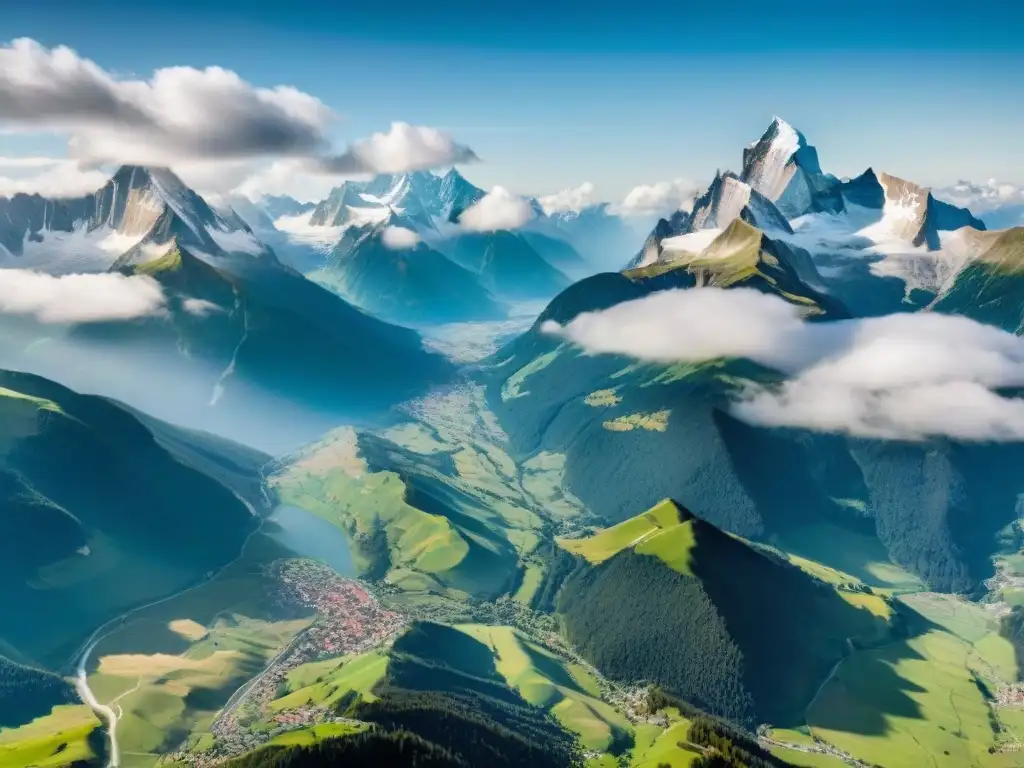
(905, 376)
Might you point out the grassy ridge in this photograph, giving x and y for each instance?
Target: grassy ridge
(759, 633)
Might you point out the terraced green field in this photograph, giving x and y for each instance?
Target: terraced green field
(313, 734)
(657, 747)
(926, 699)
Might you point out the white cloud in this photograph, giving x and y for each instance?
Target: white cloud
(179, 113)
(572, 199)
(498, 209)
(659, 199)
(399, 238)
(50, 177)
(79, 298)
(717, 323)
(998, 203)
(981, 197)
(183, 114)
(905, 376)
(403, 148)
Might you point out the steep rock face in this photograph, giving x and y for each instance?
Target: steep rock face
(729, 198)
(333, 210)
(784, 168)
(726, 200)
(24, 217)
(420, 196)
(864, 190)
(455, 195)
(651, 250)
(909, 211)
(277, 206)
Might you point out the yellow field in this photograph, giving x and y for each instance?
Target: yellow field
(39, 743)
(135, 665)
(190, 630)
(602, 398)
(656, 421)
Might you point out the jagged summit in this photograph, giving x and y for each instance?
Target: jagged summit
(138, 210)
(726, 199)
(784, 168)
(730, 198)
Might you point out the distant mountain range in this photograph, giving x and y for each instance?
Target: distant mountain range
(530, 263)
(240, 331)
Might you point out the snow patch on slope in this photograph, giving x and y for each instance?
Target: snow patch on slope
(878, 237)
(299, 231)
(80, 250)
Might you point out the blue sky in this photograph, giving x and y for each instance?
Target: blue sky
(553, 94)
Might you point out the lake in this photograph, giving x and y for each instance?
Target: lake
(310, 536)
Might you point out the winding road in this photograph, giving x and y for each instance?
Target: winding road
(81, 657)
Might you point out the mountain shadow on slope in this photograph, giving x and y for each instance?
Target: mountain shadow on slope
(27, 693)
(507, 265)
(736, 631)
(406, 285)
(104, 516)
(443, 685)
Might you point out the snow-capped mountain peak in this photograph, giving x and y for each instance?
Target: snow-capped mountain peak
(783, 167)
(128, 218)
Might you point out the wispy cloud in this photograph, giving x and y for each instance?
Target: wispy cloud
(52, 177)
(658, 199)
(906, 376)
